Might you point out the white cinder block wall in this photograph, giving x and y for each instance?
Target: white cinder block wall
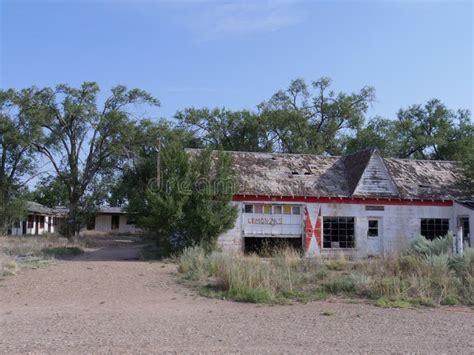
(103, 223)
(399, 224)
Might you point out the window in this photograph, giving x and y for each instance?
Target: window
(277, 209)
(432, 228)
(373, 228)
(16, 224)
(267, 209)
(115, 222)
(30, 221)
(296, 210)
(338, 232)
(258, 208)
(286, 209)
(41, 222)
(248, 209)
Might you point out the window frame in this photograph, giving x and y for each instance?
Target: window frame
(293, 210)
(248, 205)
(433, 226)
(331, 227)
(275, 207)
(377, 228)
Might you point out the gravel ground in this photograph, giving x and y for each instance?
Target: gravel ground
(102, 302)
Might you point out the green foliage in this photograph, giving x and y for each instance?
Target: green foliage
(300, 121)
(50, 192)
(82, 141)
(224, 129)
(16, 156)
(192, 205)
(437, 246)
(420, 278)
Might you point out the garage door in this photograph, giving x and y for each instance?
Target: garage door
(276, 220)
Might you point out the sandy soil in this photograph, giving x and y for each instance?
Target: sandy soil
(105, 302)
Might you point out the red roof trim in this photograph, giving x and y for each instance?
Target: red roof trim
(345, 200)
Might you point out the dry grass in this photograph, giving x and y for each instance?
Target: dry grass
(427, 275)
(20, 252)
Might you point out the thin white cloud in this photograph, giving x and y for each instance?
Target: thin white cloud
(190, 89)
(217, 20)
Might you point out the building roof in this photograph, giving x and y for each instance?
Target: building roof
(111, 210)
(276, 174)
(35, 207)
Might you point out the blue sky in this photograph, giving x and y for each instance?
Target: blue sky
(237, 54)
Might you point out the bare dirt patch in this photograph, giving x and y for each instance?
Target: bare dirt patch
(105, 301)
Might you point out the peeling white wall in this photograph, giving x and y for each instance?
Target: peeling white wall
(103, 223)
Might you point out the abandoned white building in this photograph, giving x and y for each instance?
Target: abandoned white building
(360, 203)
(114, 220)
(39, 220)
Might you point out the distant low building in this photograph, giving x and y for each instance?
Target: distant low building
(39, 220)
(114, 220)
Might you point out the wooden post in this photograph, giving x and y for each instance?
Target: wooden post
(459, 242)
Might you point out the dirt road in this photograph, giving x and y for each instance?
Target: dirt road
(103, 302)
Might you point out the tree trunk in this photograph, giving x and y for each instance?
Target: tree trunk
(73, 222)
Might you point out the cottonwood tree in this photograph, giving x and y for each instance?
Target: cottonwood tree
(432, 131)
(428, 131)
(81, 140)
(301, 120)
(16, 155)
(221, 128)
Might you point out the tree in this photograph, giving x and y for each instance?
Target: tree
(298, 121)
(432, 131)
(16, 156)
(134, 173)
(229, 130)
(192, 206)
(379, 132)
(51, 192)
(80, 140)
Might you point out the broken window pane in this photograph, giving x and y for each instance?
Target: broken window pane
(338, 232)
(248, 209)
(432, 228)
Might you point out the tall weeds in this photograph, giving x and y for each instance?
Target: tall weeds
(428, 274)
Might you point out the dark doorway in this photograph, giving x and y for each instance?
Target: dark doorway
(36, 224)
(23, 228)
(270, 245)
(115, 221)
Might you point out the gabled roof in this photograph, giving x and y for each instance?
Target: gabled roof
(305, 175)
